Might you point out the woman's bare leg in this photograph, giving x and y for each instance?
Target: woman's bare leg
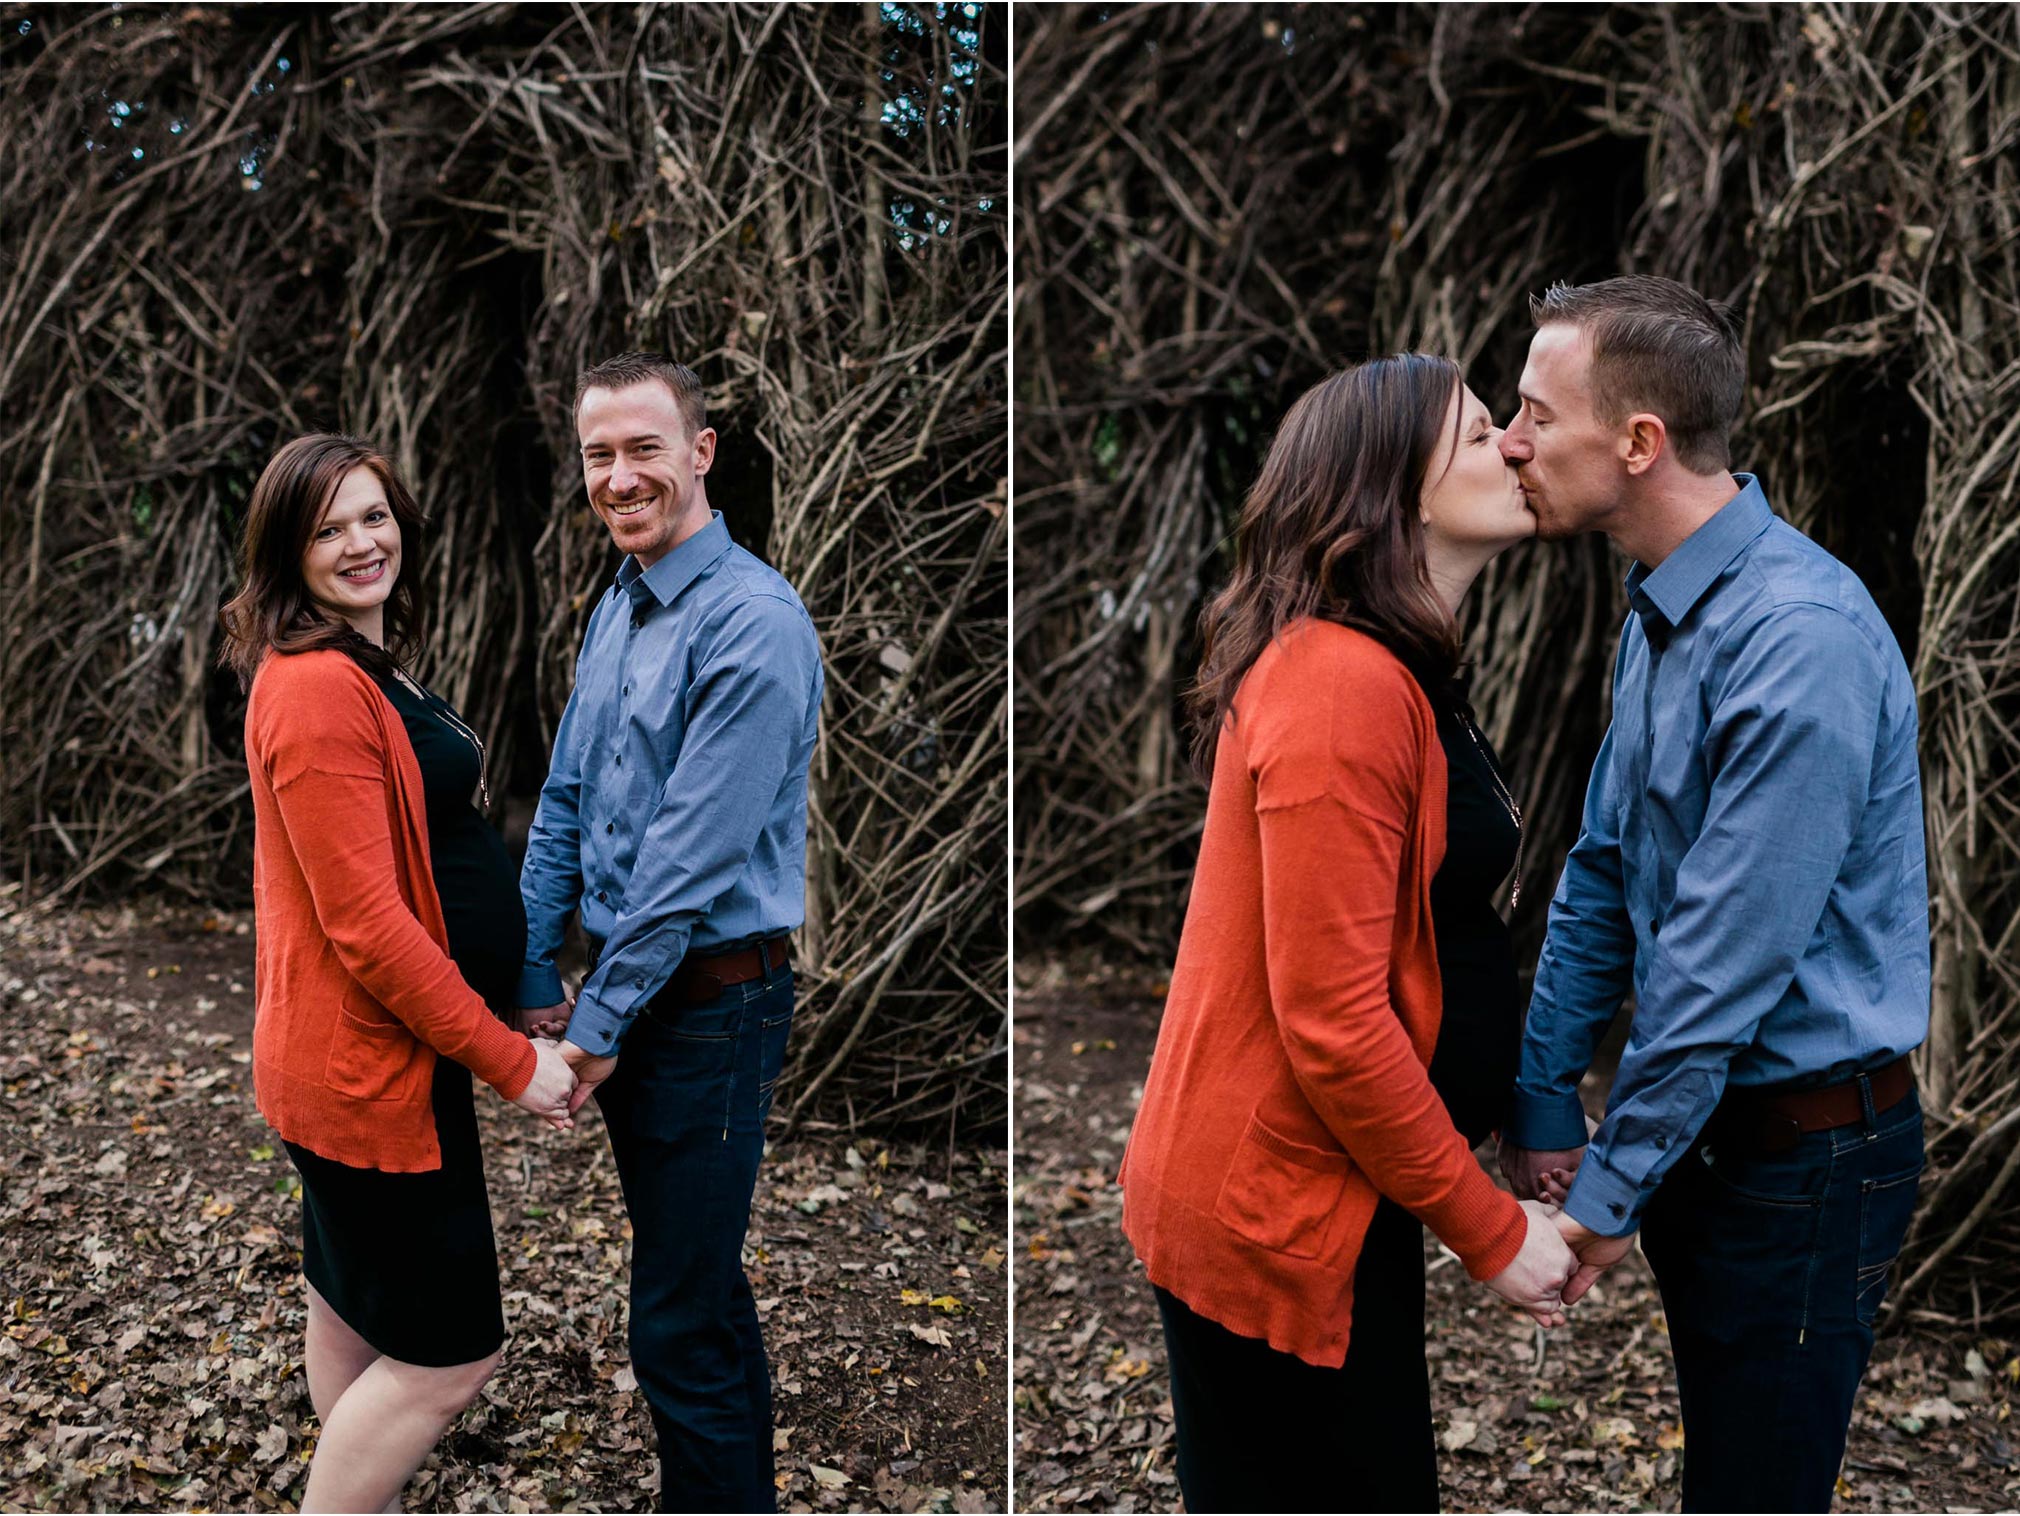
(334, 1356)
(382, 1427)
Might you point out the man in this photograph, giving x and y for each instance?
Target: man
(1750, 864)
(674, 818)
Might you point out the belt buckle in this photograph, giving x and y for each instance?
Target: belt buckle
(1779, 1133)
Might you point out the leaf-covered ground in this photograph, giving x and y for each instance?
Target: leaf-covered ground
(150, 1273)
(1591, 1424)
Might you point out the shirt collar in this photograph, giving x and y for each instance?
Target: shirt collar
(1681, 580)
(678, 569)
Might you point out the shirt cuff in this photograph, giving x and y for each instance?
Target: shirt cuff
(539, 986)
(1601, 1201)
(596, 1028)
(1546, 1123)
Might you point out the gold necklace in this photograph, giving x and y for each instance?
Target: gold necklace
(441, 708)
(1507, 799)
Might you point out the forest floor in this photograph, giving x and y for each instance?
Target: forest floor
(150, 1251)
(1591, 1424)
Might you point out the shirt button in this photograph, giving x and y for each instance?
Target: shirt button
(600, 895)
(620, 760)
(1654, 926)
(639, 982)
(1617, 1208)
(627, 689)
(609, 827)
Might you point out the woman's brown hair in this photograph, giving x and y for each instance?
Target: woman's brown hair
(273, 611)
(1331, 529)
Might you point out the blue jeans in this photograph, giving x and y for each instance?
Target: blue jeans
(1772, 1269)
(686, 1108)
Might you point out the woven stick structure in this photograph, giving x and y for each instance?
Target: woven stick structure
(224, 226)
(1217, 206)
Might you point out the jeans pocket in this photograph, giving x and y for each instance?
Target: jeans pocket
(1739, 1243)
(1792, 1181)
(687, 1059)
(1886, 1205)
(773, 1029)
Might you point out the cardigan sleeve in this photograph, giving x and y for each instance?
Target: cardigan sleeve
(1337, 765)
(318, 739)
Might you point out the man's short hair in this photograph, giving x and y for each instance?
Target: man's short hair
(627, 369)
(1660, 347)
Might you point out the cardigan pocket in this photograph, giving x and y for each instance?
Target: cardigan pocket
(1280, 1194)
(371, 1056)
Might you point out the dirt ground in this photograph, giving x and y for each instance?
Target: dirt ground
(1586, 1420)
(150, 1271)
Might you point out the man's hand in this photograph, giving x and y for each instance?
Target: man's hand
(590, 1071)
(1539, 1173)
(1596, 1254)
(546, 1020)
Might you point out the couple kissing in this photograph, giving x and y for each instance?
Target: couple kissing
(1345, 1024)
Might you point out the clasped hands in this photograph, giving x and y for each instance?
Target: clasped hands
(1560, 1260)
(564, 1075)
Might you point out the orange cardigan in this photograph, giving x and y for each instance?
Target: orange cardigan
(354, 991)
(1289, 1088)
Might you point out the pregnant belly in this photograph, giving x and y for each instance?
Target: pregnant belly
(484, 915)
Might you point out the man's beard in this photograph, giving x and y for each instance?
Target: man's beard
(1549, 526)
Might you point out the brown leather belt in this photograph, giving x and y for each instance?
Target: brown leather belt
(1771, 1121)
(703, 978)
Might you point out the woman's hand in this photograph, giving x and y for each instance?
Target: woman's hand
(1535, 1280)
(547, 1092)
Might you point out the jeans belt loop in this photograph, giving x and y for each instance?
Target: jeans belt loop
(1866, 1105)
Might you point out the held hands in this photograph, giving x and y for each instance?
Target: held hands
(1596, 1254)
(1539, 1173)
(589, 1071)
(1536, 1280)
(547, 1020)
(549, 1093)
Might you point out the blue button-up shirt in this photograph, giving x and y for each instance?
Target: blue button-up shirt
(675, 809)
(1750, 861)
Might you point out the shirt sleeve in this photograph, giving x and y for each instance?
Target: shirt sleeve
(550, 880)
(1340, 810)
(1789, 751)
(1583, 974)
(746, 722)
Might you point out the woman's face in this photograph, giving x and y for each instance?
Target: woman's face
(353, 558)
(1472, 499)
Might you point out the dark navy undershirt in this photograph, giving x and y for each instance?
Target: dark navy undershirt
(474, 875)
(1480, 1036)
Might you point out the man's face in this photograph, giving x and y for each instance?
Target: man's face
(1567, 460)
(641, 468)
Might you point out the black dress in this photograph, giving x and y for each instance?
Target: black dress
(1480, 1036)
(408, 1260)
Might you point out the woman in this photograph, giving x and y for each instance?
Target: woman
(389, 930)
(1292, 1141)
